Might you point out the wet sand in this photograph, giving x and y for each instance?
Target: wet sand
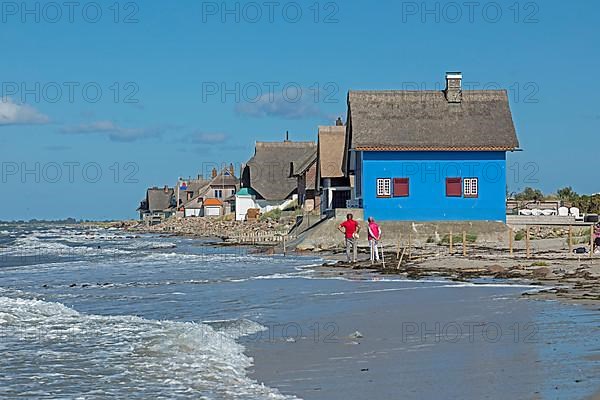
(436, 342)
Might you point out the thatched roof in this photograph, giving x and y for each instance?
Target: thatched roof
(331, 151)
(269, 171)
(160, 199)
(425, 120)
(301, 166)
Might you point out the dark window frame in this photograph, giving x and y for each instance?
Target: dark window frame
(405, 181)
(460, 183)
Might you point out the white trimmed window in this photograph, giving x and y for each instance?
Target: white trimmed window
(384, 187)
(471, 187)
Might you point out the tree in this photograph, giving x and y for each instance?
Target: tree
(588, 204)
(530, 194)
(567, 194)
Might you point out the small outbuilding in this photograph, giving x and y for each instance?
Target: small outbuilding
(213, 208)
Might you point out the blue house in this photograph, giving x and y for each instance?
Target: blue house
(430, 155)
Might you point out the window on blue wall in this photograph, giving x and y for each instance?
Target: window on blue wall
(453, 187)
(471, 187)
(384, 187)
(401, 187)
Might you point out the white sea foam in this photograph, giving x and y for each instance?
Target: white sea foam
(122, 356)
(424, 287)
(152, 245)
(32, 245)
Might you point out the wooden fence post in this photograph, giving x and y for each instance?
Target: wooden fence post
(284, 245)
(451, 243)
(570, 239)
(464, 243)
(410, 246)
(510, 241)
(401, 257)
(592, 241)
(527, 243)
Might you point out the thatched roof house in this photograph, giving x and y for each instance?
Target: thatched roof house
(426, 120)
(158, 199)
(158, 204)
(269, 171)
(430, 155)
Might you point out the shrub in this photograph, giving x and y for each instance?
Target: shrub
(519, 236)
(471, 238)
(273, 214)
(227, 218)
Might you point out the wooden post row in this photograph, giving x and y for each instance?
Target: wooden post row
(570, 239)
(527, 243)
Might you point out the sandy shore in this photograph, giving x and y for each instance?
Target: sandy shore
(384, 344)
(572, 280)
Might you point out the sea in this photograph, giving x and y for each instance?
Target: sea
(94, 313)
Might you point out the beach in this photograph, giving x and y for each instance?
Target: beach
(104, 312)
(564, 276)
(434, 340)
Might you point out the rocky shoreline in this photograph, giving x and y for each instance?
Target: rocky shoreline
(568, 280)
(560, 276)
(206, 227)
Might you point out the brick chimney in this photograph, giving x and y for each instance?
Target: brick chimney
(454, 87)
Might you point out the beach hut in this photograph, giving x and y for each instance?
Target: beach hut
(431, 155)
(213, 208)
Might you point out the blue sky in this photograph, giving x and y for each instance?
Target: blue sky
(102, 101)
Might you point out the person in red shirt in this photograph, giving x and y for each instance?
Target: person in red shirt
(374, 238)
(350, 229)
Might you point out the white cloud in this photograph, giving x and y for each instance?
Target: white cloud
(112, 130)
(294, 105)
(12, 113)
(209, 137)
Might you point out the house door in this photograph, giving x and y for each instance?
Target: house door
(339, 198)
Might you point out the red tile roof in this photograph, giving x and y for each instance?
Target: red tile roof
(212, 202)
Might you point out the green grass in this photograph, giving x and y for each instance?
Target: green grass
(293, 206)
(583, 240)
(457, 239)
(539, 264)
(274, 215)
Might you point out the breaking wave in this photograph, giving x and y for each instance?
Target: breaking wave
(72, 354)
